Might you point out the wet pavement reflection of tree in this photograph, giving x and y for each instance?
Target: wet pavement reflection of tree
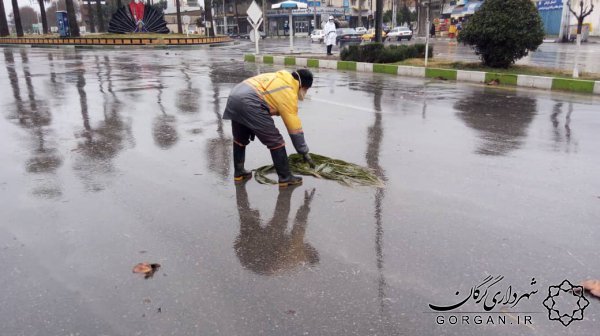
(501, 119)
(188, 98)
(218, 149)
(562, 136)
(269, 249)
(99, 145)
(164, 126)
(36, 118)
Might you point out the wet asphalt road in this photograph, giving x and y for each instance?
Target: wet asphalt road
(111, 158)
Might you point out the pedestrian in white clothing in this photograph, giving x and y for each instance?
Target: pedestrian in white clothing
(330, 34)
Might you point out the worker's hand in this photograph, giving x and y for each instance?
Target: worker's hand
(309, 160)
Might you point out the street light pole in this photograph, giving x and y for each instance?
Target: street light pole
(224, 20)
(427, 36)
(315, 14)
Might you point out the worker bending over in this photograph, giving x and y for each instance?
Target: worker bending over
(251, 107)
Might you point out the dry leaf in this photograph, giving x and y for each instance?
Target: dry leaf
(147, 269)
(593, 286)
(142, 268)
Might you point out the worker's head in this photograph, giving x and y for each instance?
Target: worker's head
(305, 79)
(330, 17)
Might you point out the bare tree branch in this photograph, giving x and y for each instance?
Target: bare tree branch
(589, 12)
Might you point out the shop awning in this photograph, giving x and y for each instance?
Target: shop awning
(289, 5)
(448, 9)
(471, 8)
(458, 11)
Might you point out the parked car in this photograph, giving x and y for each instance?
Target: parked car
(361, 30)
(246, 36)
(347, 36)
(317, 36)
(400, 33)
(370, 35)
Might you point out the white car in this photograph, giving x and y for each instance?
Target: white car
(399, 34)
(361, 30)
(317, 36)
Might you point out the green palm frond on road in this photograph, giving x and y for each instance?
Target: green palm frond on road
(326, 168)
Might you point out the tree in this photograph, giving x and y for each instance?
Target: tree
(208, 18)
(503, 31)
(3, 22)
(28, 18)
(90, 13)
(405, 15)
(179, 28)
(73, 24)
(585, 8)
(17, 17)
(43, 15)
(378, 20)
(100, 14)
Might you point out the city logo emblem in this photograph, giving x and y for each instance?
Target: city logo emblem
(566, 303)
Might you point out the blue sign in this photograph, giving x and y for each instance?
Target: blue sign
(544, 5)
(346, 3)
(314, 4)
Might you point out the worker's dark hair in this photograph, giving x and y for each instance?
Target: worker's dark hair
(305, 79)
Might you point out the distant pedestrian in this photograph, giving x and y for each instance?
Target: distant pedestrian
(432, 30)
(330, 34)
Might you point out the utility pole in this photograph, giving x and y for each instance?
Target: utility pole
(315, 14)
(427, 35)
(394, 13)
(224, 20)
(264, 10)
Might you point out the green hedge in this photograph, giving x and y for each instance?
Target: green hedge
(378, 53)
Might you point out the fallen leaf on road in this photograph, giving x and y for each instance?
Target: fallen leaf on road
(593, 286)
(493, 82)
(147, 269)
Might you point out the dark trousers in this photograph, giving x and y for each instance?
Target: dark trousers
(329, 49)
(270, 136)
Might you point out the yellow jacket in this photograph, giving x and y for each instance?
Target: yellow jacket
(279, 90)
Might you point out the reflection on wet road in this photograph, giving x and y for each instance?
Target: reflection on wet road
(112, 158)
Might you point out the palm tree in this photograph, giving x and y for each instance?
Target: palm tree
(91, 17)
(43, 14)
(208, 17)
(3, 23)
(179, 29)
(73, 25)
(17, 15)
(100, 15)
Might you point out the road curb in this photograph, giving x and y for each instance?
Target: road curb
(528, 81)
